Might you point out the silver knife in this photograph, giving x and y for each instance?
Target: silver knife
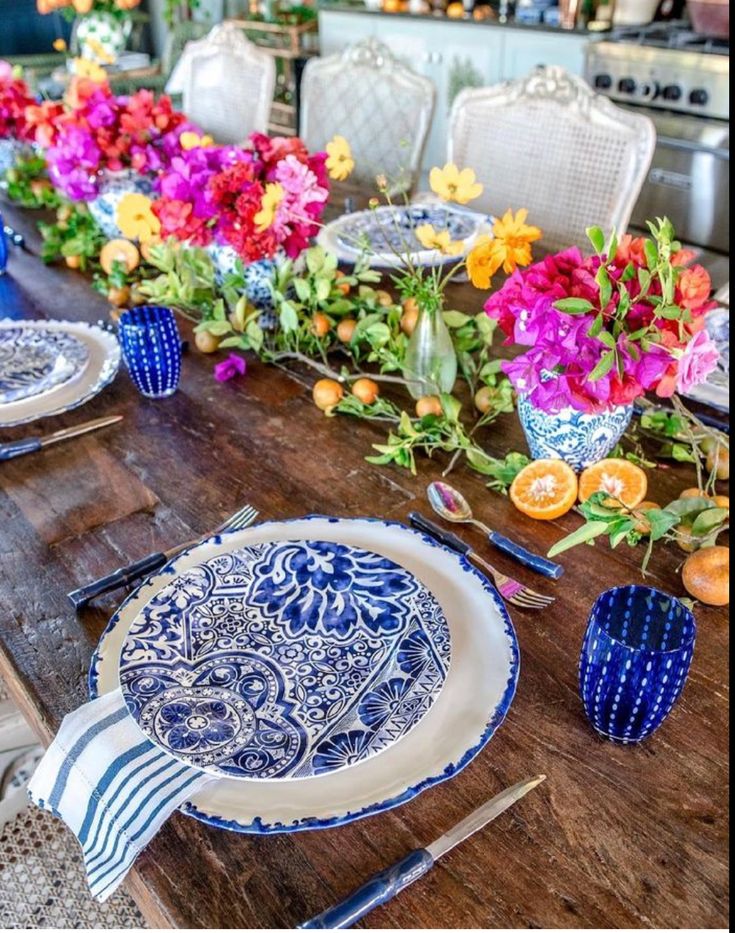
(30, 444)
(385, 885)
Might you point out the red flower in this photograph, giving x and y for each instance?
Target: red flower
(694, 287)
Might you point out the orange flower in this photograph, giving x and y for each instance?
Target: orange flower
(695, 286)
(513, 237)
(127, 4)
(79, 91)
(683, 257)
(631, 249)
(45, 120)
(82, 6)
(483, 261)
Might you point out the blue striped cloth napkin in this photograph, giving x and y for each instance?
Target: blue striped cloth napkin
(111, 786)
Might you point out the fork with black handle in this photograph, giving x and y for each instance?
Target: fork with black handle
(510, 589)
(148, 565)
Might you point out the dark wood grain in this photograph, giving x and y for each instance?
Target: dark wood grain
(616, 837)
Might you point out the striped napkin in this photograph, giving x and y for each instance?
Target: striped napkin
(111, 786)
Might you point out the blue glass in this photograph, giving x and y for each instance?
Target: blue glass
(3, 246)
(151, 348)
(635, 658)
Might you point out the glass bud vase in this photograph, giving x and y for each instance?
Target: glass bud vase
(430, 365)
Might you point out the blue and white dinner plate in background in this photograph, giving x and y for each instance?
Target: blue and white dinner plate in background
(34, 360)
(287, 659)
(102, 360)
(477, 692)
(388, 231)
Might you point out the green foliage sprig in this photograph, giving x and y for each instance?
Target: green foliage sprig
(27, 184)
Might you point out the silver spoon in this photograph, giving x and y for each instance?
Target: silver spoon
(452, 506)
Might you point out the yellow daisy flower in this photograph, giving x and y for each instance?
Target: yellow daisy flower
(483, 261)
(339, 159)
(514, 237)
(135, 218)
(451, 184)
(439, 240)
(83, 68)
(272, 197)
(59, 45)
(99, 50)
(191, 140)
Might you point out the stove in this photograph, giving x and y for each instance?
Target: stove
(667, 67)
(681, 80)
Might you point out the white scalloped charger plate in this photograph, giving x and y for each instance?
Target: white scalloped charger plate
(476, 696)
(101, 368)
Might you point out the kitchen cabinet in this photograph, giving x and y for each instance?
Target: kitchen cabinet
(453, 55)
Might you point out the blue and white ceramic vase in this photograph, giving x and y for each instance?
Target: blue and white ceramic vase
(11, 150)
(258, 275)
(578, 438)
(112, 187)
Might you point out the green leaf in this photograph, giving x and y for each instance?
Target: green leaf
(607, 338)
(603, 280)
(660, 521)
(596, 238)
(302, 289)
(603, 367)
(451, 407)
(707, 521)
(587, 532)
(651, 251)
(688, 507)
(288, 317)
(314, 259)
(323, 288)
(573, 305)
(597, 326)
(620, 531)
(456, 319)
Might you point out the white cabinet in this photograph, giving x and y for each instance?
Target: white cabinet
(524, 50)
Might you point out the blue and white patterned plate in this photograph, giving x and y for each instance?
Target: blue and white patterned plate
(288, 659)
(35, 360)
(386, 231)
(103, 361)
(477, 692)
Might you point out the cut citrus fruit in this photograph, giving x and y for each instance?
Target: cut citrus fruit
(544, 489)
(623, 480)
(122, 251)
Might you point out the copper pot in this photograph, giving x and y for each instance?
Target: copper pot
(710, 17)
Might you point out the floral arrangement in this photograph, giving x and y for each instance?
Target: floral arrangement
(600, 331)
(14, 99)
(82, 7)
(102, 131)
(259, 199)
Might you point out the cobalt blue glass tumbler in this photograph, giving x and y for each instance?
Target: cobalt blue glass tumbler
(3, 246)
(152, 349)
(635, 658)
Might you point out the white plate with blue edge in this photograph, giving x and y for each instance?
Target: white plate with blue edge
(97, 360)
(382, 233)
(286, 659)
(475, 697)
(33, 361)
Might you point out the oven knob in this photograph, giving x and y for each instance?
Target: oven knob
(603, 82)
(672, 92)
(699, 96)
(626, 86)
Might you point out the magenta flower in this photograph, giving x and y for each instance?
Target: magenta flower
(697, 362)
(233, 366)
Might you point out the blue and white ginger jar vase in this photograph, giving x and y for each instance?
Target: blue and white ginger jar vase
(113, 186)
(578, 438)
(259, 276)
(101, 36)
(11, 151)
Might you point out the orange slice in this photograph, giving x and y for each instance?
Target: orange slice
(544, 489)
(119, 251)
(626, 482)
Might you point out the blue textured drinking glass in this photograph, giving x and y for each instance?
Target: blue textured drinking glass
(635, 658)
(3, 246)
(152, 349)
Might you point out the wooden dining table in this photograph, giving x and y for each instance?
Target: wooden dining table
(617, 836)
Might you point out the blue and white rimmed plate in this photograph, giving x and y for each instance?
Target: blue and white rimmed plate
(474, 700)
(34, 360)
(289, 659)
(102, 363)
(385, 233)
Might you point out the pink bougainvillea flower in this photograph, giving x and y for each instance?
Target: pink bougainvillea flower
(699, 359)
(233, 366)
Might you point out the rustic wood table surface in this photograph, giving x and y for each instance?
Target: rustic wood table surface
(616, 837)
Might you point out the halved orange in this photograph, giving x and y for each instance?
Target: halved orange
(623, 480)
(544, 489)
(122, 251)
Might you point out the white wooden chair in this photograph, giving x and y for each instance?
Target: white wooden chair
(227, 84)
(549, 143)
(381, 107)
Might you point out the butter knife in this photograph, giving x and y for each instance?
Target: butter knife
(384, 886)
(28, 445)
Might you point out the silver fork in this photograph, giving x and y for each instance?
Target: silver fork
(152, 562)
(515, 592)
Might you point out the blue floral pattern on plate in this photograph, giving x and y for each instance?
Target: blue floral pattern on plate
(287, 659)
(388, 229)
(34, 360)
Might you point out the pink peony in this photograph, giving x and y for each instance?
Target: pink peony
(697, 362)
